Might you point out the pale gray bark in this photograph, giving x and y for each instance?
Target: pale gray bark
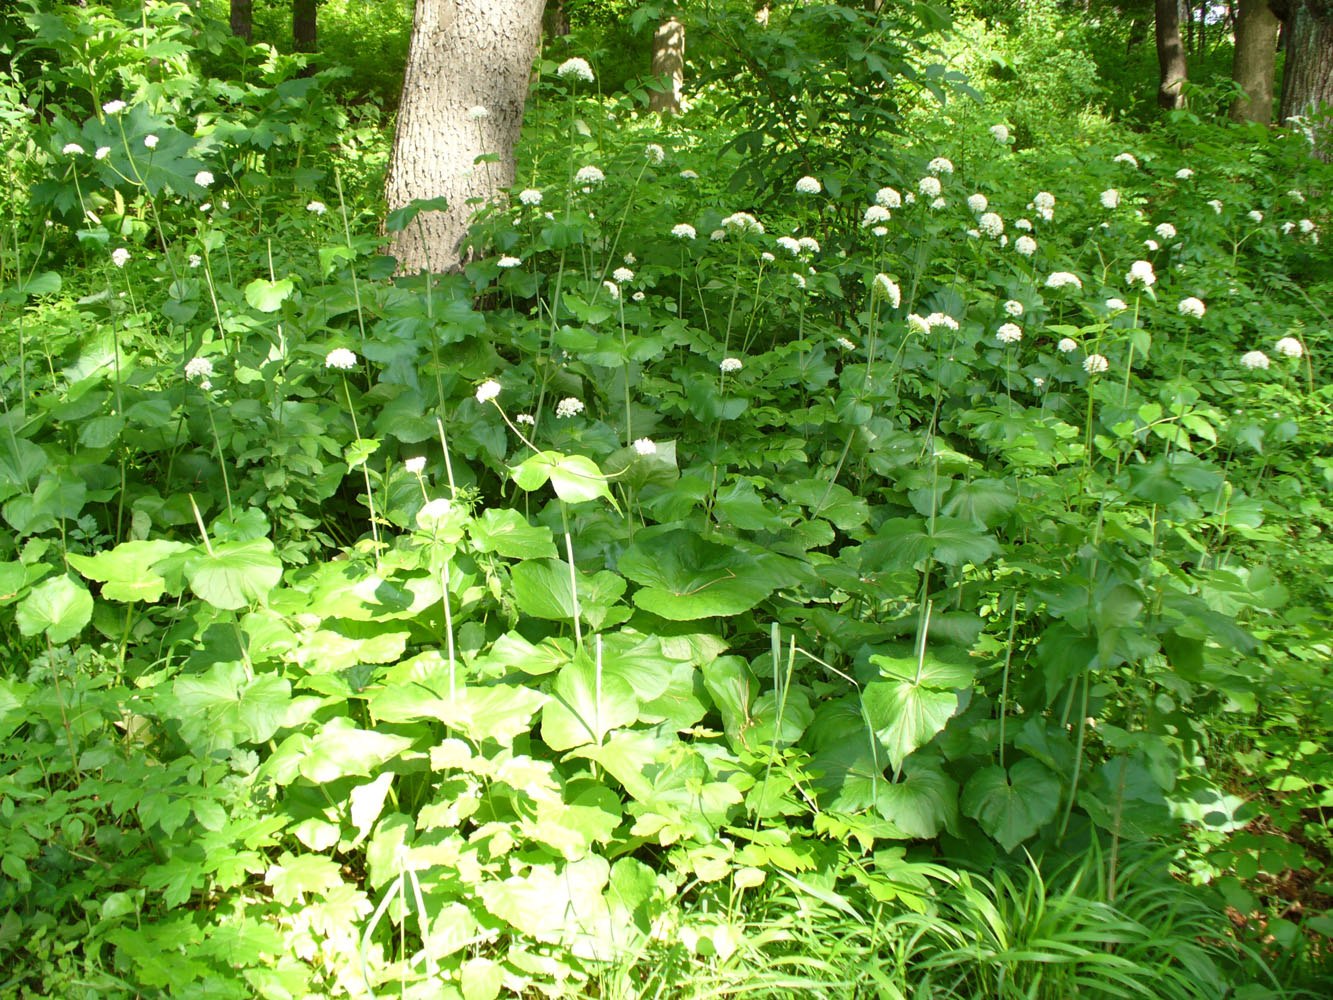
(1252, 64)
(668, 66)
(1307, 84)
(464, 54)
(1170, 55)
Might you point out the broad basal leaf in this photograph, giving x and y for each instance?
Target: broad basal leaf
(235, 574)
(906, 715)
(126, 572)
(685, 577)
(584, 706)
(58, 606)
(1012, 807)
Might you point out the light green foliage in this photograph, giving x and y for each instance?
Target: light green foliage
(661, 605)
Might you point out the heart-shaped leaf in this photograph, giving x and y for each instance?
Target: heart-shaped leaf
(684, 577)
(58, 606)
(1012, 806)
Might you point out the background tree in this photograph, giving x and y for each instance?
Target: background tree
(555, 19)
(242, 19)
(1307, 80)
(1170, 55)
(468, 68)
(668, 65)
(1252, 61)
(303, 25)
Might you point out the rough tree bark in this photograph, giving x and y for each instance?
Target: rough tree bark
(303, 25)
(1170, 54)
(668, 66)
(242, 19)
(464, 54)
(1307, 80)
(1252, 64)
(555, 20)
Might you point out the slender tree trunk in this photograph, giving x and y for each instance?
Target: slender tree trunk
(1170, 54)
(555, 19)
(1307, 80)
(668, 66)
(303, 25)
(464, 54)
(242, 19)
(1252, 64)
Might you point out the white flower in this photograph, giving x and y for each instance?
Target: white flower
(1288, 228)
(1141, 272)
(991, 224)
(622, 275)
(203, 178)
(689, 175)
(588, 176)
(645, 446)
(1095, 363)
(318, 207)
(1063, 279)
(1296, 196)
(1166, 231)
(683, 231)
(730, 365)
(102, 153)
(570, 406)
(918, 324)
(1254, 359)
(1216, 206)
(1000, 134)
(977, 203)
(654, 153)
(526, 419)
(875, 215)
(879, 232)
(195, 260)
(974, 234)
(488, 390)
(909, 198)
(1125, 158)
(883, 287)
(1191, 307)
(340, 358)
(798, 280)
(1067, 345)
(72, 149)
(1024, 224)
(508, 262)
(1256, 216)
(1306, 226)
(434, 513)
(845, 344)
(1290, 347)
(1009, 333)
(888, 197)
(199, 368)
(1025, 245)
(1116, 305)
(929, 187)
(808, 185)
(1043, 201)
(206, 207)
(1013, 308)
(938, 203)
(415, 465)
(1184, 174)
(717, 235)
(767, 257)
(1151, 245)
(612, 289)
(478, 113)
(575, 69)
(809, 244)
(120, 256)
(629, 258)
(1038, 381)
(939, 165)
(1110, 198)
(941, 319)
(530, 196)
(150, 141)
(743, 222)
(638, 296)
(790, 245)
(113, 107)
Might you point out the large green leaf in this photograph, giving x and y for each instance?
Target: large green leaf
(126, 572)
(224, 706)
(268, 296)
(235, 574)
(584, 707)
(542, 588)
(575, 478)
(499, 712)
(338, 750)
(508, 533)
(684, 577)
(58, 606)
(906, 542)
(923, 803)
(906, 715)
(554, 905)
(1012, 807)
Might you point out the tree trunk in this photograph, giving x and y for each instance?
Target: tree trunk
(1252, 64)
(1307, 82)
(464, 54)
(242, 19)
(668, 66)
(1170, 54)
(303, 25)
(555, 19)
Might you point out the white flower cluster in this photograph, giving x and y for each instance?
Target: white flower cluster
(1013, 308)
(808, 185)
(977, 203)
(1064, 279)
(882, 286)
(1141, 273)
(199, 369)
(654, 153)
(1254, 360)
(120, 256)
(991, 224)
(575, 69)
(588, 176)
(789, 244)
(743, 222)
(888, 197)
(507, 262)
(939, 165)
(1125, 158)
(1191, 307)
(929, 187)
(1166, 231)
(1044, 204)
(340, 359)
(1025, 245)
(1110, 198)
(530, 196)
(1094, 364)
(683, 231)
(622, 275)
(488, 390)
(1290, 347)
(1067, 345)
(875, 215)
(570, 406)
(1009, 333)
(1000, 134)
(730, 365)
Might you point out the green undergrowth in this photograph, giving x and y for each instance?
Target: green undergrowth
(747, 575)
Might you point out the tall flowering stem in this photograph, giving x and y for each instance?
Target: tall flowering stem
(343, 361)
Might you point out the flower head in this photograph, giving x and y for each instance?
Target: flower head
(1166, 231)
(1125, 158)
(882, 286)
(478, 113)
(530, 196)
(939, 165)
(918, 324)
(1043, 201)
(1095, 363)
(622, 275)
(150, 142)
(845, 344)
(808, 185)
(790, 245)
(416, 465)
(1152, 245)
(611, 289)
(102, 153)
(645, 446)
(1013, 308)
(120, 256)
(1254, 359)
(1306, 226)
(1184, 174)
(1000, 134)
(1110, 198)
(929, 187)
(195, 260)
(888, 197)
(317, 207)
(527, 419)
(1063, 279)
(1009, 333)
(1290, 347)
(1256, 216)
(488, 390)
(72, 149)
(689, 175)
(1025, 245)
(977, 203)
(941, 319)
(1216, 206)
(809, 244)
(1191, 307)
(575, 69)
(113, 107)
(1067, 345)
(1141, 273)
(588, 176)
(991, 224)
(743, 222)
(198, 368)
(1116, 305)
(875, 215)
(340, 358)
(570, 406)
(203, 178)
(508, 262)
(654, 153)
(798, 280)
(683, 231)
(730, 365)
